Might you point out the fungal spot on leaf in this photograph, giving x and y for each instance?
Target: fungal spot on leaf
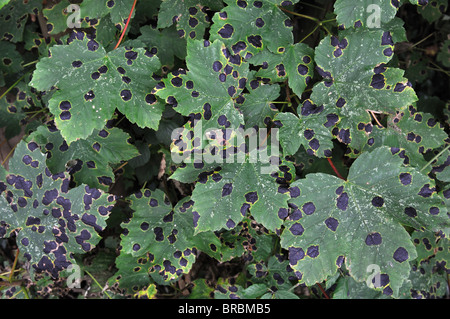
(217, 66)
(251, 197)
(377, 201)
(126, 95)
(226, 31)
(313, 251)
(89, 96)
(342, 201)
(332, 223)
(434, 211)
(295, 255)
(255, 40)
(77, 64)
(230, 224)
(405, 178)
(373, 239)
(227, 189)
(297, 229)
(401, 255)
(426, 191)
(378, 81)
(309, 208)
(410, 211)
(259, 23)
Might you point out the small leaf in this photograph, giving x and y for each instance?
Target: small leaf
(92, 157)
(247, 28)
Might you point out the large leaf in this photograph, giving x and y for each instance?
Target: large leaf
(209, 90)
(91, 83)
(93, 10)
(360, 220)
(225, 192)
(415, 132)
(357, 81)
(52, 221)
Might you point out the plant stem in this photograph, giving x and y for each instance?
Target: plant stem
(9, 154)
(98, 284)
(126, 25)
(436, 157)
(11, 275)
(30, 63)
(13, 86)
(334, 169)
(323, 291)
(309, 34)
(300, 15)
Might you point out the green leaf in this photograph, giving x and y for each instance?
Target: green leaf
(161, 233)
(368, 13)
(52, 222)
(294, 65)
(257, 108)
(91, 83)
(415, 132)
(10, 63)
(165, 43)
(224, 193)
(190, 16)
(360, 220)
(247, 28)
(276, 272)
(210, 89)
(91, 157)
(444, 54)
(13, 17)
(357, 81)
(57, 17)
(93, 10)
(310, 129)
(433, 10)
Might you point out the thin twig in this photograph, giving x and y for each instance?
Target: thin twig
(126, 25)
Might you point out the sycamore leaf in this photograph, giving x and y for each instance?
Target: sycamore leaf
(415, 132)
(227, 190)
(91, 83)
(161, 233)
(294, 65)
(361, 220)
(52, 222)
(165, 43)
(210, 89)
(91, 157)
(93, 10)
(367, 13)
(247, 28)
(13, 18)
(358, 82)
(310, 129)
(190, 16)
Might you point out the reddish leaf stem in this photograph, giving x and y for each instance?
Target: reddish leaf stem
(334, 169)
(323, 291)
(126, 25)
